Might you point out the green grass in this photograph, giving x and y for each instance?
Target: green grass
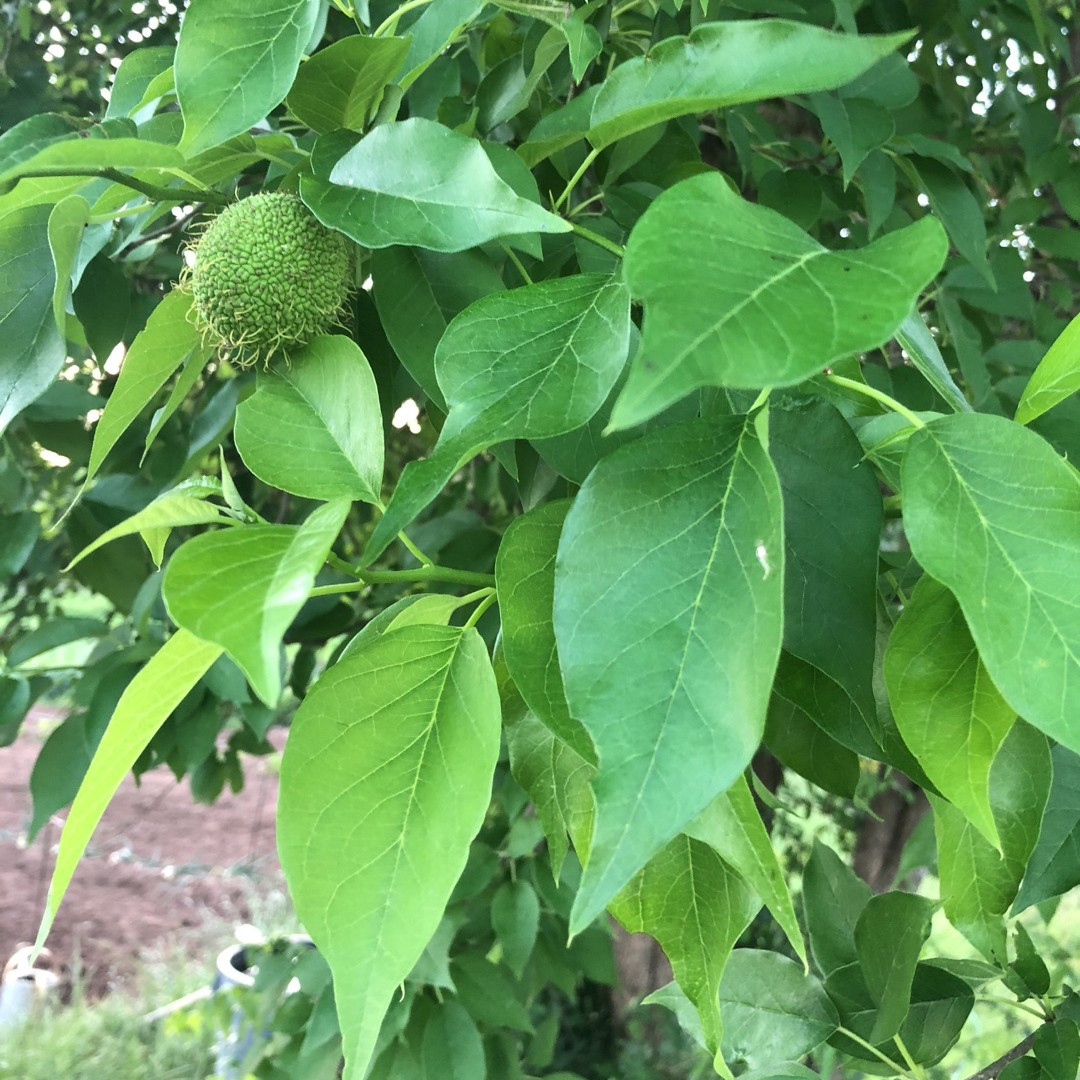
(108, 1039)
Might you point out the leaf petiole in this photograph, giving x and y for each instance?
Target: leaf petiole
(390, 22)
(600, 241)
(870, 1048)
(916, 1070)
(879, 396)
(1018, 1005)
(484, 604)
(590, 157)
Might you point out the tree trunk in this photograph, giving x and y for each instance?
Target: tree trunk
(880, 842)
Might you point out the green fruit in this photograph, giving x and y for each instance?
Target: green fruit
(267, 277)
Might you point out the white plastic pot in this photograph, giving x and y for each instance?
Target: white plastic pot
(233, 970)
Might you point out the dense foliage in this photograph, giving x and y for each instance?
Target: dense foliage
(706, 390)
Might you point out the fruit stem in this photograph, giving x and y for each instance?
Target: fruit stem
(596, 238)
(879, 396)
(151, 191)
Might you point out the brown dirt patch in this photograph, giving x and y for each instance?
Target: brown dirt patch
(157, 865)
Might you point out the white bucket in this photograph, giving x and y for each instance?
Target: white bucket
(23, 988)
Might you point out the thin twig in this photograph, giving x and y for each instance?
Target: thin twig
(174, 226)
(996, 1068)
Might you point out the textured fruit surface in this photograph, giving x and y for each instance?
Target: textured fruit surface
(268, 276)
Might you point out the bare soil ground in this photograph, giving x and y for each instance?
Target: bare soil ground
(157, 865)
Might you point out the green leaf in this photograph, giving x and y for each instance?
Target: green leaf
(183, 384)
(668, 598)
(732, 827)
(515, 918)
(800, 744)
(916, 340)
(451, 1045)
(889, 935)
(418, 293)
(672, 998)
(833, 899)
(14, 705)
(18, 534)
(583, 38)
(235, 62)
(149, 698)
(737, 295)
(385, 781)
(940, 1004)
(557, 782)
(960, 212)
(773, 1012)
(947, 709)
(560, 128)
(421, 184)
(134, 76)
(340, 85)
(92, 154)
(1057, 1049)
(26, 138)
(241, 588)
(526, 364)
(1056, 378)
(1028, 973)
(855, 126)
(525, 576)
(67, 221)
(489, 993)
(52, 634)
(696, 907)
(33, 346)
(723, 64)
(314, 427)
(977, 883)
(166, 341)
(1054, 867)
(439, 24)
(993, 513)
(832, 530)
(170, 510)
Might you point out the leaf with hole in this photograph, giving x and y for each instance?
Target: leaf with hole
(668, 596)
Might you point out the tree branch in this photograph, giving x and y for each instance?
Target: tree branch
(151, 191)
(995, 1068)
